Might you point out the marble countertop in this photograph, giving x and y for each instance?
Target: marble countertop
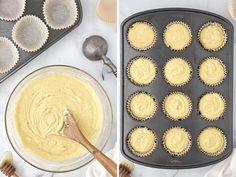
(67, 51)
(130, 7)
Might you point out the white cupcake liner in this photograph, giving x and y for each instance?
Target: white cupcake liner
(9, 55)
(30, 33)
(11, 10)
(60, 14)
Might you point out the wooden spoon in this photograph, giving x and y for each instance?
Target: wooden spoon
(70, 130)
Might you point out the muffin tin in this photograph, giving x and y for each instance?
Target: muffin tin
(159, 88)
(35, 8)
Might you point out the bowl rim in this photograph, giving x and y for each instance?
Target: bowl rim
(35, 71)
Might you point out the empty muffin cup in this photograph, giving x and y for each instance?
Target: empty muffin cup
(60, 14)
(11, 10)
(9, 55)
(30, 33)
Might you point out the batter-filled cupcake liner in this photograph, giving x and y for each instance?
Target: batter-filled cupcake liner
(222, 64)
(155, 36)
(168, 115)
(30, 33)
(212, 120)
(60, 14)
(130, 111)
(129, 75)
(177, 153)
(9, 55)
(185, 25)
(12, 10)
(219, 25)
(138, 153)
(177, 85)
(216, 153)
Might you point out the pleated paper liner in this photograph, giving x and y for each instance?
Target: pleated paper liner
(216, 153)
(138, 35)
(169, 150)
(177, 67)
(136, 152)
(11, 10)
(217, 48)
(131, 112)
(220, 80)
(30, 33)
(60, 14)
(166, 112)
(169, 44)
(9, 55)
(138, 81)
(216, 117)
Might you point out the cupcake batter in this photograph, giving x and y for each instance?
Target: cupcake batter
(212, 71)
(141, 35)
(177, 71)
(39, 115)
(212, 36)
(212, 106)
(142, 71)
(177, 140)
(142, 141)
(142, 106)
(177, 106)
(211, 141)
(177, 35)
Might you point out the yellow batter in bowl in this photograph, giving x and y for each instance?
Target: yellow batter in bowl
(142, 141)
(142, 105)
(177, 106)
(211, 106)
(39, 111)
(141, 35)
(212, 36)
(177, 71)
(177, 35)
(212, 141)
(212, 71)
(141, 71)
(177, 141)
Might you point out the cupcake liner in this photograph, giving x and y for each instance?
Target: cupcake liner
(9, 55)
(222, 64)
(130, 77)
(107, 10)
(155, 35)
(223, 29)
(30, 33)
(187, 27)
(138, 153)
(175, 153)
(216, 153)
(60, 14)
(11, 10)
(212, 120)
(167, 114)
(177, 85)
(130, 111)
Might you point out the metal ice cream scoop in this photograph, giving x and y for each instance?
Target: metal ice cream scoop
(95, 48)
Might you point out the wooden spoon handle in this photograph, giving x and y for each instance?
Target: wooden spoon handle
(15, 175)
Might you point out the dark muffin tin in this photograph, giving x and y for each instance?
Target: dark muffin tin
(194, 53)
(35, 7)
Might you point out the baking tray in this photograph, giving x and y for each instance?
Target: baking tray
(160, 88)
(35, 7)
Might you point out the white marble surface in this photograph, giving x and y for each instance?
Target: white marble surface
(130, 7)
(68, 52)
